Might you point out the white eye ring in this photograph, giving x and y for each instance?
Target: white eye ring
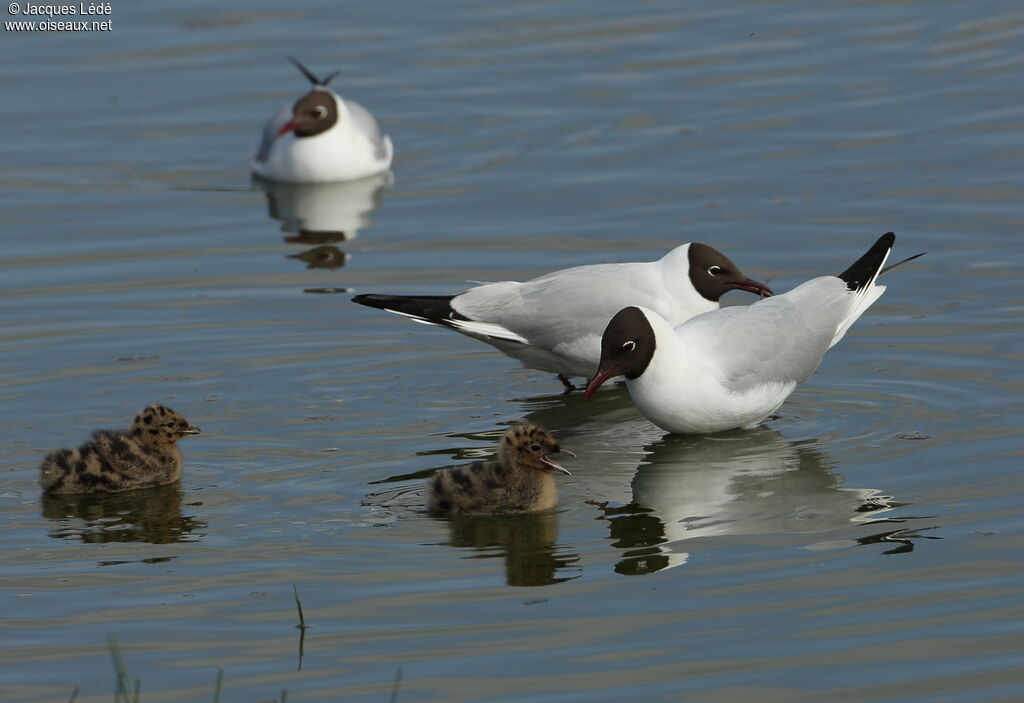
(320, 112)
(630, 344)
(714, 270)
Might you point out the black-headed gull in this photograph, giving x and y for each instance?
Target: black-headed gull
(322, 137)
(734, 367)
(554, 322)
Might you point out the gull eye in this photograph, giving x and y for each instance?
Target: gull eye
(172, 423)
(320, 112)
(534, 447)
(629, 346)
(715, 271)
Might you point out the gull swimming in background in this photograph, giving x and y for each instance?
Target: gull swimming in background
(554, 322)
(322, 137)
(732, 368)
(116, 460)
(518, 482)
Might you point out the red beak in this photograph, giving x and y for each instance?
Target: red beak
(599, 378)
(752, 286)
(287, 128)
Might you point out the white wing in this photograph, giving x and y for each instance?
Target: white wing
(566, 305)
(365, 123)
(778, 339)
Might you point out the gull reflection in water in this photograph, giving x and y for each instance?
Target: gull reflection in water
(734, 483)
(657, 491)
(150, 515)
(323, 214)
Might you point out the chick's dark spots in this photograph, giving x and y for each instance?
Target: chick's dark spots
(115, 460)
(519, 481)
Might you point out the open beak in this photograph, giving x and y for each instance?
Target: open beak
(190, 429)
(752, 286)
(555, 467)
(599, 378)
(287, 128)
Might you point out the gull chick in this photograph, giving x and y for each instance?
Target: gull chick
(114, 460)
(320, 138)
(732, 368)
(519, 481)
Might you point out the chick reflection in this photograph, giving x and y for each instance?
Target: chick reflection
(323, 213)
(526, 542)
(743, 482)
(150, 515)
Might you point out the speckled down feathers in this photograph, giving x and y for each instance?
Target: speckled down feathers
(117, 460)
(516, 483)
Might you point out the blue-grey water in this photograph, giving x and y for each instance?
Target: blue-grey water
(866, 545)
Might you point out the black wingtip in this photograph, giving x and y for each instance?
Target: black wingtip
(890, 267)
(307, 73)
(864, 269)
(431, 308)
(372, 300)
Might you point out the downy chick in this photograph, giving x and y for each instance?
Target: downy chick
(519, 481)
(115, 460)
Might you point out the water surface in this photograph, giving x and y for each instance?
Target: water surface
(862, 546)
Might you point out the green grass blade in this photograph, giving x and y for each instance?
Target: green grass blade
(220, 683)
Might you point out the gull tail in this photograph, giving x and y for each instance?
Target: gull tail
(436, 310)
(860, 279)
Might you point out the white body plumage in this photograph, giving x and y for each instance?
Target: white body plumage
(352, 148)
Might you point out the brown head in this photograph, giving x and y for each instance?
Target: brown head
(158, 425)
(313, 113)
(316, 111)
(530, 446)
(713, 275)
(627, 347)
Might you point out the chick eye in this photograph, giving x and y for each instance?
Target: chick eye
(320, 112)
(535, 447)
(629, 346)
(169, 424)
(714, 270)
